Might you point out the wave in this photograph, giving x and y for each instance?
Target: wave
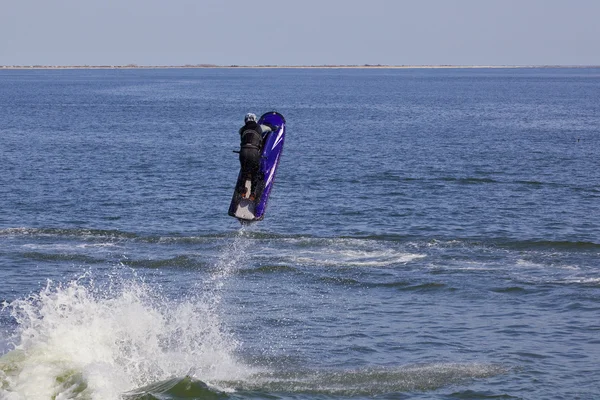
(79, 258)
(347, 258)
(298, 240)
(404, 286)
(510, 290)
(68, 232)
(542, 244)
(487, 242)
(182, 261)
(174, 389)
(110, 236)
(369, 382)
(80, 340)
(366, 382)
(392, 177)
(468, 180)
(270, 269)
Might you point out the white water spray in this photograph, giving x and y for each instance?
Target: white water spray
(81, 341)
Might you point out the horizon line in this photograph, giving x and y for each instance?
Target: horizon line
(315, 66)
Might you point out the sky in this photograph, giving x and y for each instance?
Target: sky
(302, 32)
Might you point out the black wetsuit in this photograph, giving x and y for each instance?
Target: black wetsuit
(251, 136)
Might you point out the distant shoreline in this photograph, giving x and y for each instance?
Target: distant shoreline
(212, 66)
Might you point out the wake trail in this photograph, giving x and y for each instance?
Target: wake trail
(210, 292)
(230, 259)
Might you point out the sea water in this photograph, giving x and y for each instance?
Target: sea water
(431, 234)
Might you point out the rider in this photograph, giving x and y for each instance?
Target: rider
(251, 135)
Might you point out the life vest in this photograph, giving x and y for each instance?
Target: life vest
(251, 138)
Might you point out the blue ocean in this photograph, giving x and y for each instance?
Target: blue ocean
(431, 234)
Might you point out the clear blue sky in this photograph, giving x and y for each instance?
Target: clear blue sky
(302, 32)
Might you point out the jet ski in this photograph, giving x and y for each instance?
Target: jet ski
(241, 207)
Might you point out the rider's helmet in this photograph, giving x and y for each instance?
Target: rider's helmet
(250, 117)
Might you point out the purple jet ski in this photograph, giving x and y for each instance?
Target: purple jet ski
(243, 208)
